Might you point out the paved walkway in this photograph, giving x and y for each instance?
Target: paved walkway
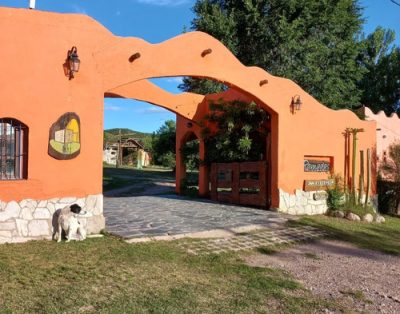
(265, 238)
(170, 215)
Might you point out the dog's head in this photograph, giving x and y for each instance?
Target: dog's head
(75, 208)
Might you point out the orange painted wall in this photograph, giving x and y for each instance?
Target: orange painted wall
(388, 130)
(35, 91)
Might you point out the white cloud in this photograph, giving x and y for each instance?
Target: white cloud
(111, 107)
(175, 80)
(154, 109)
(164, 2)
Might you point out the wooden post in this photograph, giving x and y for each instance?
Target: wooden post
(368, 177)
(353, 169)
(361, 182)
(354, 163)
(119, 153)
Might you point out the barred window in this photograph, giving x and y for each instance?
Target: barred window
(13, 149)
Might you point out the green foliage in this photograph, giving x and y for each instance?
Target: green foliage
(381, 62)
(164, 144)
(190, 154)
(167, 160)
(391, 169)
(240, 134)
(336, 194)
(188, 189)
(312, 42)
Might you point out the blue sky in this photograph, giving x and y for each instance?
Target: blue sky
(159, 20)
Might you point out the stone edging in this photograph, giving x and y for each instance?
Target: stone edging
(34, 219)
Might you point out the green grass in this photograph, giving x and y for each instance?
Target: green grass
(114, 178)
(380, 237)
(107, 275)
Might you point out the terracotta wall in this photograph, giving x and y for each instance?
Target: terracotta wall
(35, 91)
(388, 130)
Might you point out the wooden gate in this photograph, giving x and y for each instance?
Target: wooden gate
(242, 183)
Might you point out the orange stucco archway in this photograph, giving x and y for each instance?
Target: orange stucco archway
(35, 90)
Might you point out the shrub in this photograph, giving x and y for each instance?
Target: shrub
(336, 194)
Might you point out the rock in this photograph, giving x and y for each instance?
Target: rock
(32, 204)
(95, 224)
(338, 214)
(11, 211)
(26, 213)
(22, 227)
(41, 213)
(2, 205)
(9, 225)
(99, 205)
(51, 207)
(379, 219)
(353, 217)
(67, 200)
(5, 234)
(42, 204)
(91, 203)
(38, 228)
(368, 218)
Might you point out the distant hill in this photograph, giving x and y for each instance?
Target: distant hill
(111, 135)
(129, 132)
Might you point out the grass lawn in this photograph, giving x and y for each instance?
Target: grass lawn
(114, 178)
(107, 275)
(381, 237)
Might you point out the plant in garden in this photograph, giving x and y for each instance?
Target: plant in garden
(336, 194)
(240, 132)
(391, 168)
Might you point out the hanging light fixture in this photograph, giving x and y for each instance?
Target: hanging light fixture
(73, 62)
(296, 103)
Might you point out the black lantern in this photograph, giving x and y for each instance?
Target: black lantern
(73, 61)
(296, 103)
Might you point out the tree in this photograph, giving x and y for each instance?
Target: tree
(312, 42)
(164, 144)
(240, 132)
(381, 62)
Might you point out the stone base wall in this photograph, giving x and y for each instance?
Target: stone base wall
(35, 219)
(303, 203)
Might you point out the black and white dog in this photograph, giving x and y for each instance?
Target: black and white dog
(68, 221)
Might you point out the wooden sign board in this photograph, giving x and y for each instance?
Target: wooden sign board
(316, 165)
(316, 185)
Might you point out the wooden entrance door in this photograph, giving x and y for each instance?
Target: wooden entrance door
(242, 183)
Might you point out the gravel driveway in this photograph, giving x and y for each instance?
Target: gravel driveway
(362, 280)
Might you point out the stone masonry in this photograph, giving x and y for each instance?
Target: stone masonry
(302, 203)
(35, 219)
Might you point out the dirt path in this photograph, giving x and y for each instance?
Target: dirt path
(364, 280)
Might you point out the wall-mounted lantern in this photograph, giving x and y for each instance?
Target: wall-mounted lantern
(296, 103)
(73, 62)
